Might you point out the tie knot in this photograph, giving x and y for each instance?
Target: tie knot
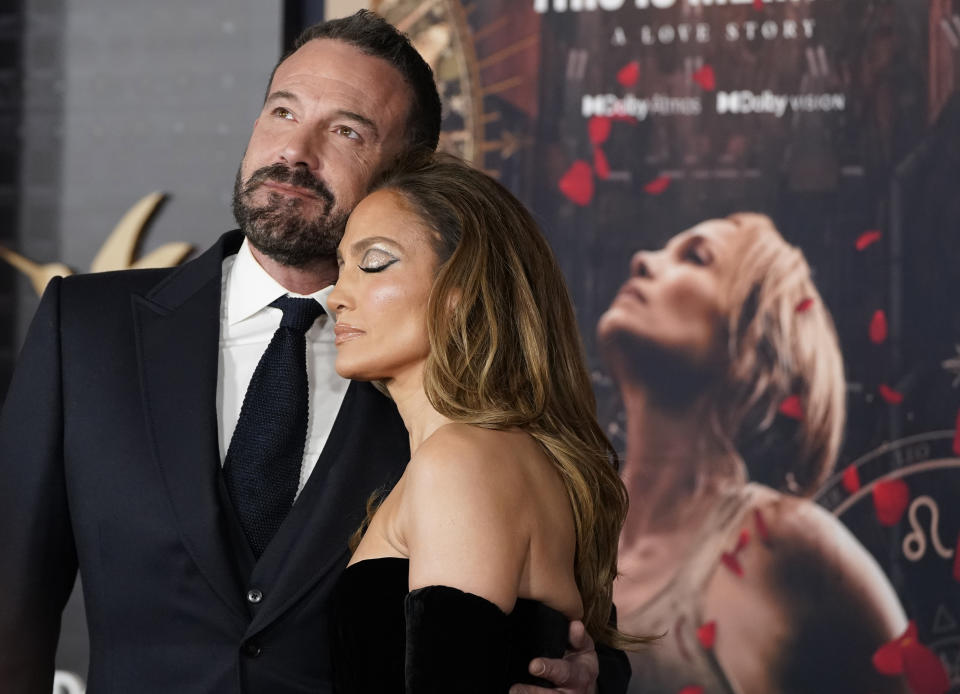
(298, 314)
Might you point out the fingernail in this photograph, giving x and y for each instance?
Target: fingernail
(538, 667)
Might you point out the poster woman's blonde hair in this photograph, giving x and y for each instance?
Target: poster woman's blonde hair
(780, 343)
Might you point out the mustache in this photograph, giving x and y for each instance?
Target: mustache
(297, 176)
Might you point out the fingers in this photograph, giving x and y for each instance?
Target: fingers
(576, 672)
(530, 689)
(579, 638)
(559, 672)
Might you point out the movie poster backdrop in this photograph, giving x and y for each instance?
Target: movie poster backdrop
(623, 122)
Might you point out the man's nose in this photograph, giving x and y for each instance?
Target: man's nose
(303, 148)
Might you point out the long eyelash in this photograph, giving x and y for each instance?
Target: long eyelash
(378, 268)
(693, 252)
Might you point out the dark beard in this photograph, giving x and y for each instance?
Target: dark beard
(278, 228)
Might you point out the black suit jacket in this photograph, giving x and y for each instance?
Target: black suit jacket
(109, 461)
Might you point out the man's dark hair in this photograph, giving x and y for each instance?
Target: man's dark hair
(374, 36)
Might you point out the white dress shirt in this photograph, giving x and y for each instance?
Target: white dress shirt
(247, 324)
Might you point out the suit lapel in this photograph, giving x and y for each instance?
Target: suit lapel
(367, 450)
(178, 331)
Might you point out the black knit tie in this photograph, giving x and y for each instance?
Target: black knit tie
(262, 467)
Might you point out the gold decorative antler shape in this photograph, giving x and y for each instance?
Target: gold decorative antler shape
(117, 252)
(40, 275)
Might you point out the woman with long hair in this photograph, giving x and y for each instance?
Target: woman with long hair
(504, 525)
(732, 381)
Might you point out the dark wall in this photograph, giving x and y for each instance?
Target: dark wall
(11, 99)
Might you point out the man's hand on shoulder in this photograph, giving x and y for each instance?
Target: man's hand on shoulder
(575, 673)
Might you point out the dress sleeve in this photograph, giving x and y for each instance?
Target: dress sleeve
(39, 562)
(460, 643)
(615, 671)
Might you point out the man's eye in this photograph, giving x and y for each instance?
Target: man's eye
(376, 260)
(347, 131)
(281, 112)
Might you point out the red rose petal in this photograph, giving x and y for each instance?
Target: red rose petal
(909, 634)
(732, 563)
(888, 660)
(657, 185)
(792, 407)
(692, 689)
(761, 524)
(599, 129)
(890, 499)
(924, 670)
(851, 479)
(878, 327)
(577, 183)
(758, 4)
(956, 436)
(891, 396)
(707, 634)
(601, 164)
(804, 305)
(868, 238)
(629, 74)
(706, 78)
(742, 541)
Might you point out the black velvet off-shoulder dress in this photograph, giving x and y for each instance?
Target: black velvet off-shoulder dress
(388, 639)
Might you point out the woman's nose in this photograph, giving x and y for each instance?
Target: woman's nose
(641, 264)
(337, 299)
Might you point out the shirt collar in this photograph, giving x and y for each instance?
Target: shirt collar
(250, 288)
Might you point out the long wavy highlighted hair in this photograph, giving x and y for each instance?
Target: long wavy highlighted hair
(505, 351)
(781, 344)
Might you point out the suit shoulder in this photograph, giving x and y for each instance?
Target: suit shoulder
(187, 277)
(106, 284)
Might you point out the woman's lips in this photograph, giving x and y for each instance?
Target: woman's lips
(344, 333)
(630, 289)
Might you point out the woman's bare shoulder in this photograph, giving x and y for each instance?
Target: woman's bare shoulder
(825, 604)
(462, 453)
(462, 515)
(815, 560)
(472, 512)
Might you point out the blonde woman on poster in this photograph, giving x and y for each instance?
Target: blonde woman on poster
(732, 381)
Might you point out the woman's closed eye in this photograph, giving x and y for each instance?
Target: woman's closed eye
(376, 260)
(697, 253)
